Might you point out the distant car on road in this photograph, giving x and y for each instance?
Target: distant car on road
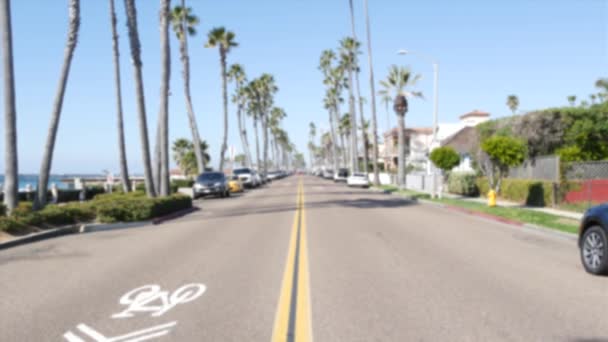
(247, 176)
(328, 174)
(341, 175)
(211, 184)
(593, 240)
(358, 179)
(235, 184)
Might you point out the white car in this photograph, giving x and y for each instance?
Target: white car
(248, 177)
(358, 179)
(341, 175)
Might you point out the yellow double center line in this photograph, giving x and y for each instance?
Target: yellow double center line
(293, 320)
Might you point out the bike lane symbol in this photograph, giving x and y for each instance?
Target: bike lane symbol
(144, 299)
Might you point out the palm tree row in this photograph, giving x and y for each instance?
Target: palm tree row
(255, 98)
(347, 70)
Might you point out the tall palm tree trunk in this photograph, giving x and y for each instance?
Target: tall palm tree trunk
(156, 161)
(139, 90)
(225, 102)
(257, 143)
(243, 134)
(265, 128)
(401, 157)
(11, 168)
(334, 148)
(163, 113)
(354, 153)
(47, 159)
(362, 117)
(124, 170)
(372, 96)
(196, 138)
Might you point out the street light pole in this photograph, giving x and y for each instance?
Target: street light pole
(435, 64)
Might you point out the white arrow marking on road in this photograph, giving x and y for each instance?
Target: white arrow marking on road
(136, 336)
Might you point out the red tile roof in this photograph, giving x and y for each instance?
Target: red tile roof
(475, 113)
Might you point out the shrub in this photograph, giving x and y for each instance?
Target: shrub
(527, 191)
(445, 158)
(67, 214)
(9, 224)
(94, 191)
(2, 209)
(23, 208)
(463, 183)
(136, 206)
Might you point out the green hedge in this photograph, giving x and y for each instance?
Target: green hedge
(525, 191)
(107, 208)
(137, 207)
(463, 183)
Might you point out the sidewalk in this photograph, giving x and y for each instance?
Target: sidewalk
(508, 204)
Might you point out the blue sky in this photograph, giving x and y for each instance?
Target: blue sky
(542, 51)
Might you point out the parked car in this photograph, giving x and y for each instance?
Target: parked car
(358, 179)
(341, 175)
(328, 174)
(593, 240)
(247, 177)
(235, 184)
(211, 184)
(273, 175)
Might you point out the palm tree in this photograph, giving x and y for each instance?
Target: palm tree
(236, 74)
(224, 41)
(11, 167)
(373, 96)
(164, 185)
(45, 168)
(356, 71)
(124, 170)
(593, 97)
(334, 80)
(184, 25)
(274, 123)
(251, 94)
(183, 154)
(397, 84)
(348, 50)
(512, 103)
(602, 84)
(344, 125)
(312, 132)
(572, 100)
(135, 45)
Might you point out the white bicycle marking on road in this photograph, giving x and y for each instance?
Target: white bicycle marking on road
(150, 298)
(136, 336)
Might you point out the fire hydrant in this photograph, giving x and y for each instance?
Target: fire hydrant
(492, 198)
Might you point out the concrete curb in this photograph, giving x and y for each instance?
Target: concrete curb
(91, 228)
(45, 235)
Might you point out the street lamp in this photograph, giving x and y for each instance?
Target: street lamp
(435, 64)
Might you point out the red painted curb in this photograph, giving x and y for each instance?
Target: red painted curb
(174, 215)
(486, 216)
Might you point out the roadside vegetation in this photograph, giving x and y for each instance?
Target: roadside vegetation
(521, 215)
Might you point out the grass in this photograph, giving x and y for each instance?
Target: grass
(579, 207)
(516, 214)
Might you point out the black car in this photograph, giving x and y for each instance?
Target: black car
(211, 184)
(593, 240)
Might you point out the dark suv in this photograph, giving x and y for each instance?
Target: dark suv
(211, 184)
(593, 240)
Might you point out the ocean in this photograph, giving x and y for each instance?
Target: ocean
(24, 180)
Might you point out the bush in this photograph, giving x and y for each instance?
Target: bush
(527, 191)
(9, 224)
(2, 209)
(94, 191)
(137, 207)
(463, 183)
(445, 158)
(67, 214)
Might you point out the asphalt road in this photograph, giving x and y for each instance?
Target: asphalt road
(290, 263)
